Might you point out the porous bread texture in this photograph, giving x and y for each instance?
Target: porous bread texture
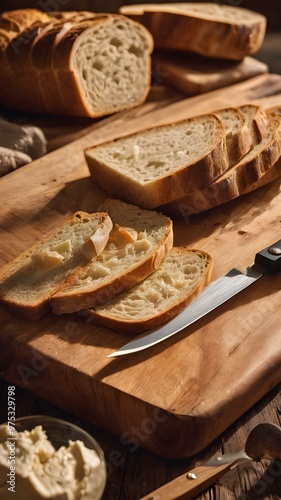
(252, 172)
(111, 62)
(118, 268)
(180, 278)
(82, 64)
(161, 164)
(209, 29)
(26, 284)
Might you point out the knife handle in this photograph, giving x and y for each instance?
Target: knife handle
(270, 258)
(190, 484)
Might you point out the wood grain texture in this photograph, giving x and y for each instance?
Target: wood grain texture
(134, 472)
(177, 397)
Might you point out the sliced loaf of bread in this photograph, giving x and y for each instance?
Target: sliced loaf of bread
(27, 282)
(81, 64)
(180, 278)
(161, 164)
(243, 177)
(140, 241)
(209, 29)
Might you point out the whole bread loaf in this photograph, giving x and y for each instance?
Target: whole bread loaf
(82, 64)
(209, 29)
(180, 278)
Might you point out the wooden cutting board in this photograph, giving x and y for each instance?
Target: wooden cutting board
(176, 397)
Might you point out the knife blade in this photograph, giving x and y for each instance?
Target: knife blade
(216, 293)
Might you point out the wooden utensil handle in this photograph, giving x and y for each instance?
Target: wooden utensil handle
(189, 484)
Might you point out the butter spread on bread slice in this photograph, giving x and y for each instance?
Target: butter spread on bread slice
(123, 262)
(27, 282)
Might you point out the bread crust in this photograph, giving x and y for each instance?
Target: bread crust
(175, 28)
(168, 186)
(36, 306)
(249, 174)
(37, 52)
(104, 317)
(65, 303)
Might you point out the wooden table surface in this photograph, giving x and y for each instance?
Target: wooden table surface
(134, 472)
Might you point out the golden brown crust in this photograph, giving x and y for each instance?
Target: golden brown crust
(133, 326)
(171, 185)
(19, 20)
(62, 303)
(34, 308)
(181, 30)
(37, 55)
(246, 176)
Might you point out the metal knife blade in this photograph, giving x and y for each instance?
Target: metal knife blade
(267, 260)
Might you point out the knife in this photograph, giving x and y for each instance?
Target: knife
(219, 291)
(190, 484)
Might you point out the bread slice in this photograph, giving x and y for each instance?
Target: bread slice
(193, 74)
(209, 29)
(180, 278)
(83, 65)
(242, 178)
(257, 121)
(244, 127)
(238, 135)
(121, 264)
(27, 282)
(161, 164)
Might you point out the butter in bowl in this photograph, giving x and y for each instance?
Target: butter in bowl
(46, 457)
